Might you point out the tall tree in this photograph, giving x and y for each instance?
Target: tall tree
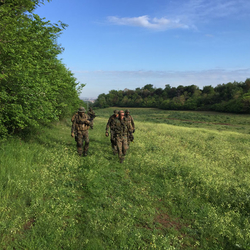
(35, 86)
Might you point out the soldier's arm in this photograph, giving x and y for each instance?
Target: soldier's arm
(73, 127)
(73, 117)
(130, 127)
(108, 124)
(87, 122)
(132, 122)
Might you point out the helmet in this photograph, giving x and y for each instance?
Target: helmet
(116, 111)
(126, 111)
(81, 110)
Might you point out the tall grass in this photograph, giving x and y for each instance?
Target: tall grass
(180, 186)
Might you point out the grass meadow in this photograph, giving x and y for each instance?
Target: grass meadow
(184, 184)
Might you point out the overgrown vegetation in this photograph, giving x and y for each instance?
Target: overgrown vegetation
(35, 86)
(231, 97)
(183, 185)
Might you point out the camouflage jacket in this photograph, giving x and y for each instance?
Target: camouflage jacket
(80, 123)
(131, 120)
(111, 123)
(122, 127)
(73, 117)
(91, 114)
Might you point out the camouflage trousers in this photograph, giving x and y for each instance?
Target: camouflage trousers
(113, 141)
(80, 138)
(122, 146)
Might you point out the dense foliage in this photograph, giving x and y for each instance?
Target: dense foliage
(35, 86)
(231, 97)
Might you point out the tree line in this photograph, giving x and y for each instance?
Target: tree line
(230, 97)
(36, 88)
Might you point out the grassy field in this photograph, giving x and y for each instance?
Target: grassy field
(185, 184)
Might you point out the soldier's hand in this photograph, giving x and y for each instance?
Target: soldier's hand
(72, 134)
(107, 134)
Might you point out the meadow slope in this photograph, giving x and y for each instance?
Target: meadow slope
(184, 184)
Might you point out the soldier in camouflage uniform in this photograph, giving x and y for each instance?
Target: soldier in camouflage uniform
(131, 120)
(110, 124)
(80, 126)
(73, 117)
(92, 116)
(122, 128)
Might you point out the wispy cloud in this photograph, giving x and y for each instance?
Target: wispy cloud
(147, 22)
(196, 11)
(187, 14)
(169, 73)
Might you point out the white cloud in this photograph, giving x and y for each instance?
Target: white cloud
(147, 22)
(187, 14)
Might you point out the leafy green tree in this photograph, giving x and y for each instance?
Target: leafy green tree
(138, 101)
(171, 93)
(101, 101)
(149, 87)
(246, 85)
(35, 86)
(208, 90)
(145, 93)
(246, 102)
(158, 92)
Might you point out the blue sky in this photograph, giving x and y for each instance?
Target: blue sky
(114, 44)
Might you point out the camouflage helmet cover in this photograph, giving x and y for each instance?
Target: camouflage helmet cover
(116, 111)
(127, 111)
(81, 110)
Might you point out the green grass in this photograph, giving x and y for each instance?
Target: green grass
(182, 186)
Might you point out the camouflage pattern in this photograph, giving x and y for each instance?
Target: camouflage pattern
(111, 125)
(80, 138)
(73, 117)
(72, 120)
(80, 127)
(122, 128)
(131, 121)
(92, 116)
(122, 147)
(81, 110)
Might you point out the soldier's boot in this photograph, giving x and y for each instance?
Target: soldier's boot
(121, 159)
(79, 150)
(124, 152)
(85, 149)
